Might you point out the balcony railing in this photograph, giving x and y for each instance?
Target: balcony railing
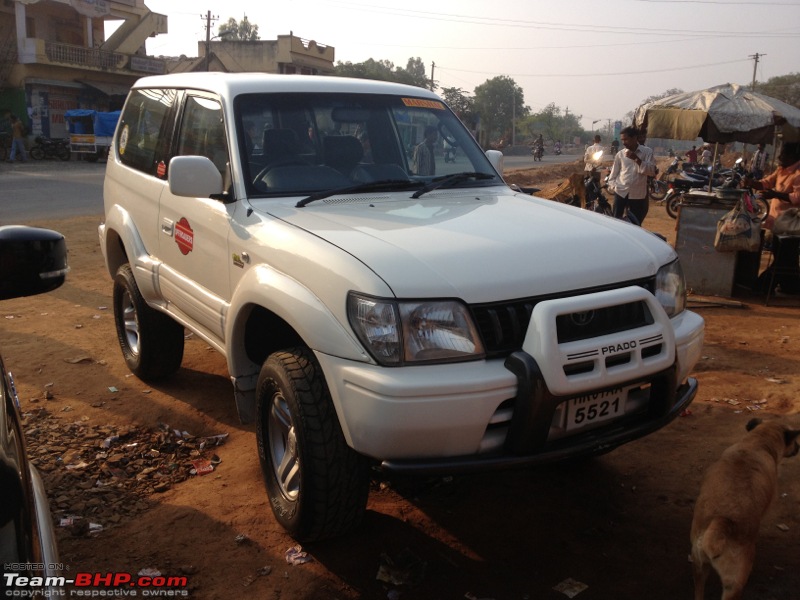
(83, 57)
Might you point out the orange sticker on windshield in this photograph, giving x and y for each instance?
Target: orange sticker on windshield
(420, 103)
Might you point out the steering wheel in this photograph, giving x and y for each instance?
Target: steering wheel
(447, 137)
(286, 162)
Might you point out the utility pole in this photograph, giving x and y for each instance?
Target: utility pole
(433, 68)
(208, 18)
(755, 58)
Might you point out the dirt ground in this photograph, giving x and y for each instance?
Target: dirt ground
(615, 527)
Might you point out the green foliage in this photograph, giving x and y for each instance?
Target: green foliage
(782, 87)
(461, 104)
(499, 102)
(242, 31)
(552, 124)
(384, 70)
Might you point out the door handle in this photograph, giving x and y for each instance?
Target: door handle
(167, 227)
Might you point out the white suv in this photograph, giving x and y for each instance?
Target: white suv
(376, 303)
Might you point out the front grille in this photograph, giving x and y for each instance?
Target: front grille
(503, 325)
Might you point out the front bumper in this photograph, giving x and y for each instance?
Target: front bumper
(490, 414)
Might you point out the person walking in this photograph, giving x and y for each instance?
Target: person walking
(17, 140)
(628, 178)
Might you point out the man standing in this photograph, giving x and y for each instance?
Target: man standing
(588, 156)
(17, 140)
(424, 161)
(691, 155)
(628, 178)
(759, 162)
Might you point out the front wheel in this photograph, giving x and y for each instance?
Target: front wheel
(658, 189)
(151, 342)
(37, 153)
(672, 204)
(317, 484)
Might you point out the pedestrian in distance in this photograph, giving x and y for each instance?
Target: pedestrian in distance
(17, 140)
(691, 155)
(628, 178)
(424, 160)
(759, 162)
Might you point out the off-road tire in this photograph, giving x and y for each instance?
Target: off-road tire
(317, 484)
(151, 342)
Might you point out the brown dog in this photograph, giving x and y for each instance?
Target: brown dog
(736, 492)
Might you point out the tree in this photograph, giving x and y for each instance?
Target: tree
(498, 102)
(243, 31)
(782, 87)
(384, 70)
(461, 104)
(552, 124)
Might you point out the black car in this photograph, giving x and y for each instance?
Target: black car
(32, 261)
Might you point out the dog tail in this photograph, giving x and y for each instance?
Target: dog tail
(715, 536)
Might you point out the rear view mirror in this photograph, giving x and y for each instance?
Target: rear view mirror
(32, 261)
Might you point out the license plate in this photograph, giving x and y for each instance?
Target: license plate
(595, 408)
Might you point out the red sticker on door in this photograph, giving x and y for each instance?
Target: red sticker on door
(184, 236)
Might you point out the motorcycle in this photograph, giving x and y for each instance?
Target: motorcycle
(50, 148)
(557, 149)
(725, 179)
(596, 200)
(538, 152)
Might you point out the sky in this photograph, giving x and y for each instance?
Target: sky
(595, 59)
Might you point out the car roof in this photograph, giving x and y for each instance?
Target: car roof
(233, 84)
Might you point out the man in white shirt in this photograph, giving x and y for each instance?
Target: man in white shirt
(628, 178)
(588, 156)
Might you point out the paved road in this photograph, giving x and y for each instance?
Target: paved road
(527, 162)
(46, 189)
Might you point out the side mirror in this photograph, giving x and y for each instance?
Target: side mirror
(496, 158)
(32, 261)
(194, 177)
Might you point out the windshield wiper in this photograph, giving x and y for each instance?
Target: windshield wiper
(361, 187)
(450, 180)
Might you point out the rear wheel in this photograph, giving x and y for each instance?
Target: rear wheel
(317, 484)
(151, 342)
(63, 153)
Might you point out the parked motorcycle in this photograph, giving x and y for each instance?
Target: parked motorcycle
(724, 179)
(50, 148)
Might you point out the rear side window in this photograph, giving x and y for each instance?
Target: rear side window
(143, 134)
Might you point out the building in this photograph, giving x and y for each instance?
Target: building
(54, 57)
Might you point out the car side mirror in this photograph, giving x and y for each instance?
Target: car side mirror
(194, 177)
(496, 158)
(32, 261)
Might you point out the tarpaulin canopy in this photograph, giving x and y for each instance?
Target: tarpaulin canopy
(82, 120)
(724, 113)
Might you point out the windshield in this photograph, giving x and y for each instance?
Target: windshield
(295, 144)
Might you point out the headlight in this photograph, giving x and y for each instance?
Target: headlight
(405, 332)
(671, 288)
